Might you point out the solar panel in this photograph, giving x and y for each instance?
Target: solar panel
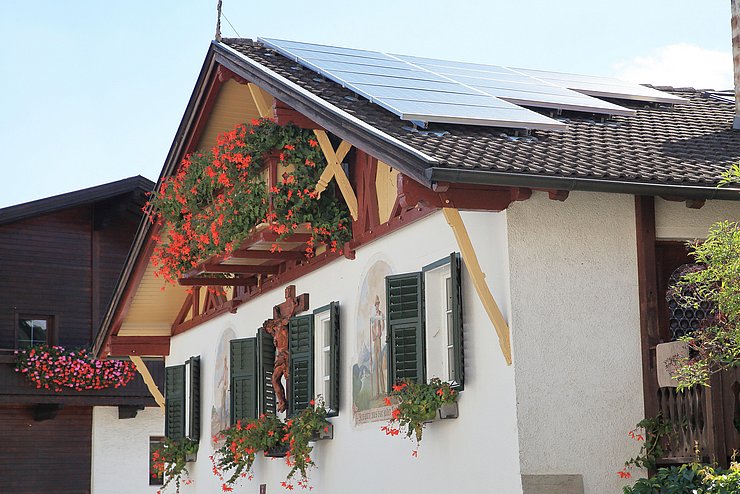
(604, 87)
(430, 90)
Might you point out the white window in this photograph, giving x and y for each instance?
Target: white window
(323, 339)
(440, 350)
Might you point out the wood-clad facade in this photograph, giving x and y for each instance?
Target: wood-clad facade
(61, 258)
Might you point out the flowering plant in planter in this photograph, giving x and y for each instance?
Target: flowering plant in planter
(242, 441)
(170, 461)
(53, 367)
(216, 197)
(651, 433)
(417, 403)
(272, 436)
(306, 427)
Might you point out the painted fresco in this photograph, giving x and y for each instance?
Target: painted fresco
(370, 363)
(220, 408)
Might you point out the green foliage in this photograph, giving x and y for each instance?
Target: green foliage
(689, 479)
(304, 428)
(716, 346)
(654, 431)
(417, 403)
(170, 461)
(685, 479)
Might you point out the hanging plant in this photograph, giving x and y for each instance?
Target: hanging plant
(416, 403)
(57, 369)
(270, 435)
(216, 197)
(170, 462)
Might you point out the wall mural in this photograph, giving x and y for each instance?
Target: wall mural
(220, 409)
(370, 367)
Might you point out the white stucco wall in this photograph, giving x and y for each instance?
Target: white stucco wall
(476, 452)
(120, 450)
(576, 335)
(674, 221)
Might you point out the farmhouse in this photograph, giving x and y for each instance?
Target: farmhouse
(512, 232)
(61, 259)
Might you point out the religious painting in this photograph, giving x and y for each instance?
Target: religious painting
(370, 364)
(220, 409)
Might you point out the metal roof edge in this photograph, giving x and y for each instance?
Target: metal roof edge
(484, 177)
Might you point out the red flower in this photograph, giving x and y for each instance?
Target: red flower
(387, 401)
(624, 474)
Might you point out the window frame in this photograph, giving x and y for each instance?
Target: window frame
(329, 313)
(35, 316)
(443, 269)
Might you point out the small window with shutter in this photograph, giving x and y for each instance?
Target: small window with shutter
(425, 324)
(326, 356)
(244, 387)
(301, 367)
(182, 400)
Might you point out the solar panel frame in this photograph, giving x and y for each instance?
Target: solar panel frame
(477, 92)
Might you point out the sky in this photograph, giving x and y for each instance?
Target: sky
(93, 91)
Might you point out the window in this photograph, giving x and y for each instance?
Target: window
(313, 366)
(155, 477)
(425, 326)
(34, 330)
(182, 400)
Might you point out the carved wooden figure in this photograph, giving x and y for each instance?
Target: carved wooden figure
(277, 327)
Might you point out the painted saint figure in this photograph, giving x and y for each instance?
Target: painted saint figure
(377, 327)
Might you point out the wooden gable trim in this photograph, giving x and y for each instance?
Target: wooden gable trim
(158, 346)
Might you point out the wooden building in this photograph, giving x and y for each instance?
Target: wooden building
(61, 259)
(567, 216)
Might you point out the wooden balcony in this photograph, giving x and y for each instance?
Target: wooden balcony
(16, 389)
(706, 421)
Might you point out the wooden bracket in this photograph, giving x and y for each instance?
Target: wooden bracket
(148, 380)
(479, 280)
(262, 100)
(334, 170)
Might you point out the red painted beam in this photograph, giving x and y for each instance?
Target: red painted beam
(121, 346)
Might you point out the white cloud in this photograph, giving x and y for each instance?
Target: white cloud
(679, 65)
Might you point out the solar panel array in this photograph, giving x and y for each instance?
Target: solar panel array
(429, 90)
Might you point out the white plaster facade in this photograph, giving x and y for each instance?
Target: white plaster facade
(120, 450)
(478, 451)
(565, 277)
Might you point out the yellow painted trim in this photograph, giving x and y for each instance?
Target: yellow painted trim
(261, 100)
(153, 389)
(467, 251)
(334, 169)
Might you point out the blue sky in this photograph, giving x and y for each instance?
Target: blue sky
(93, 91)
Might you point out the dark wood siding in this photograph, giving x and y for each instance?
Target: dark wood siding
(52, 456)
(46, 269)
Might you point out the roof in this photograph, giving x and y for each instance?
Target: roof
(73, 199)
(674, 149)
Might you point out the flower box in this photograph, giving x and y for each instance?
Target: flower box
(277, 451)
(448, 411)
(191, 456)
(326, 433)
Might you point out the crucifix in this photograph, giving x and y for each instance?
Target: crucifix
(277, 327)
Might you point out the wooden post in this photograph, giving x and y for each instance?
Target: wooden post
(648, 295)
(148, 380)
(470, 260)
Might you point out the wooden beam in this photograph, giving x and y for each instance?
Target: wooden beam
(285, 255)
(458, 196)
(334, 169)
(140, 345)
(262, 100)
(148, 380)
(205, 281)
(470, 260)
(647, 282)
(240, 268)
(284, 114)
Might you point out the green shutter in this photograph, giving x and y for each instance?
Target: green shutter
(266, 363)
(406, 348)
(333, 400)
(300, 344)
(243, 379)
(174, 418)
(458, 374)
(194, 405)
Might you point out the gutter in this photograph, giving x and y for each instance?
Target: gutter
(484, 177)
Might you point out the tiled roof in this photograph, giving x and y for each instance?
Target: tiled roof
(689, 144)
